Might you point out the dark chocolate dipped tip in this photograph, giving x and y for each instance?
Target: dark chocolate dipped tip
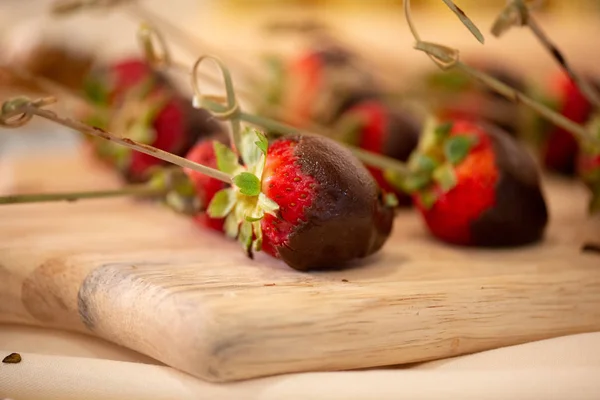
(403, 135)
(347, 219)
(200, 124)
(520, 215)
(333, 54)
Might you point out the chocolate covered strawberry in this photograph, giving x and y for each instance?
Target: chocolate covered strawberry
(559, 147)
(376, 127)
(475, 186)
(316, 86)
(140, 104)
(306, 200)
(457, 96)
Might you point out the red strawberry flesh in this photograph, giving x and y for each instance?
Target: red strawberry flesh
(285, 184)
(388, 132)
(561, 148)
(170, 127)
(206, 187)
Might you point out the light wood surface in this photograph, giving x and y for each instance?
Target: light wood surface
(140, 276)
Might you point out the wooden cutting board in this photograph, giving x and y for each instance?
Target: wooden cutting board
(140, 276)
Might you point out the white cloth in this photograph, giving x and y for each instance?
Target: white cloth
(58, 365)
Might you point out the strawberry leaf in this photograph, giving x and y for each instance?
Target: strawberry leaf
(96, 91)
(457, 147)
(445, 177)
(246, 236)
(422, 163)
(255, 217)
(182, 204)
(257, 244)
(248, 183)
(231, 226)
(442, 131)
(250, 151)
(227, 161)
(262, 143)
(390, 200)
(267, 205)
(428, 198)
(141, 132)
(433, 134)
(222, 203)
(349, 128)
(396, 180)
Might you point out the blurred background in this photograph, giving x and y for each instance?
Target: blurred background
(241, 31)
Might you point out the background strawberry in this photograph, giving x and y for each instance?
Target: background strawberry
(474, 185)
(375, 126)
(205, 186)
(330, 208)
(317, 86)
(559, 147)
(106, 84)
(457, 96)
(140, 103)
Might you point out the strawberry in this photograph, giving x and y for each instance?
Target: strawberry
(106, 84)
(205, 187)
(305, 200)
(458, 96)
(142, 105)
(560, 147)
(475, 186)
(317, 86)
(375, 126)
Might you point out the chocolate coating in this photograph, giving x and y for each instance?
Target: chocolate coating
(403, 136)
(520, 215)
(347, 219)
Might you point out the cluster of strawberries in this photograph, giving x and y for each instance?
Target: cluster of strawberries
(472, 182)
(328, 210)
(470, 179)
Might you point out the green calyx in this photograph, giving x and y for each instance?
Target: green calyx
(276, 70)
(348, 128)
(96, 90)
(274, 87)
(180, 191)
(593, 126)
(133, 118)
(243, 205)
(432, 165)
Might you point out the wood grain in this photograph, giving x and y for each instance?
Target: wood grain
(140, 276)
